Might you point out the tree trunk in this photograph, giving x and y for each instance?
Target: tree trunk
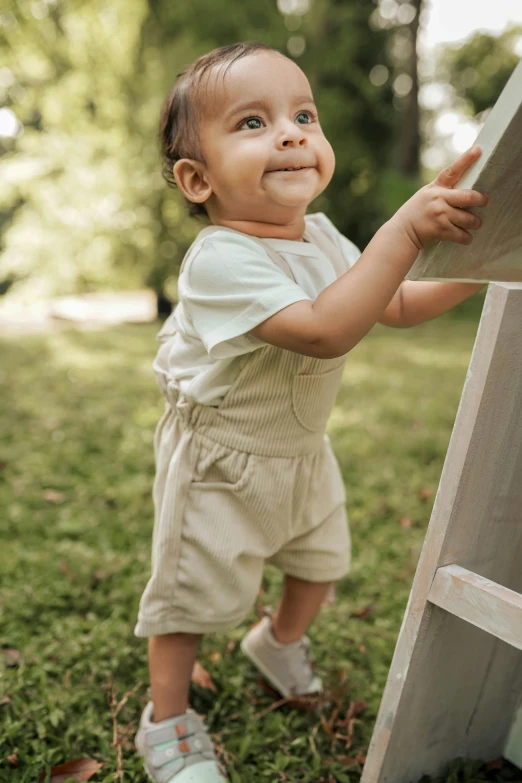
(409, 141)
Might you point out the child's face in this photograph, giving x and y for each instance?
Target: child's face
(263, 120)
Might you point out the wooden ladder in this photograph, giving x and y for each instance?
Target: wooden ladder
(455, 681)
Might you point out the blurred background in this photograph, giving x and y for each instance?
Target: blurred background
(402, 87)
(91, 233)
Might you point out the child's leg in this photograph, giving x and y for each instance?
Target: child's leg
(171, 660)
(299, 603)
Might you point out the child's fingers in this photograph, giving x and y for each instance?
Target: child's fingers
(449, 177)
(465, 198)
(459, 235)
(463, 218)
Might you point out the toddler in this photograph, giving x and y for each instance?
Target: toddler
(270, 302)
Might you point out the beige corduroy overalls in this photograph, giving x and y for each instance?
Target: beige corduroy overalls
(251, 481)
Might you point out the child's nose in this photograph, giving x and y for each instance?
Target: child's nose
(299, 142)
(292, 136)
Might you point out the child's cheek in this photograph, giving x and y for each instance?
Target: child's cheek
(327, 166)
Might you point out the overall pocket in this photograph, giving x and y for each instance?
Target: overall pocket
(314, 395)
(221, 468)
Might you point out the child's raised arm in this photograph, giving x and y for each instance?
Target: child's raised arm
(346, 310)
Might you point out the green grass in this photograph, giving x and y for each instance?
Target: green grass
(79, 415)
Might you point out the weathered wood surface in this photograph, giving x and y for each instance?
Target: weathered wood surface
(486, 604)
(496, 250)
(452, 688)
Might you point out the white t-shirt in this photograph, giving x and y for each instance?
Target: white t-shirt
(228, 286)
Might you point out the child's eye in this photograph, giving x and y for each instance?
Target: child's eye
(308, 116)
(248, 124)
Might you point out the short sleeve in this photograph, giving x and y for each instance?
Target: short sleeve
(229, 287)
(349, 250)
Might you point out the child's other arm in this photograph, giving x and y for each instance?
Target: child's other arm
(419, 301)
(346, 310)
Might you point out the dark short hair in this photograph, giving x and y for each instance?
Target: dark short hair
(180, 113)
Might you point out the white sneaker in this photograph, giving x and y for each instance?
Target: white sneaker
(177, 750)
(287, 667)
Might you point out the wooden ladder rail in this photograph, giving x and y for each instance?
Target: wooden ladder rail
(486, 604)
(455, 680)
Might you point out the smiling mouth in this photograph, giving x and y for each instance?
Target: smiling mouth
(296, 168)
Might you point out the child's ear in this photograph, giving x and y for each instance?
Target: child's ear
(191, 180)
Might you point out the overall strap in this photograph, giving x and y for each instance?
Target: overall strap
(328, 247)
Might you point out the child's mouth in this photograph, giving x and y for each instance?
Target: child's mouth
(296, 168)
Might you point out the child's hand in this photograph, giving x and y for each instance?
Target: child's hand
(438, 212)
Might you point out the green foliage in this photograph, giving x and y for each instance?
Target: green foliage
(396, 189)
(479, 68)
(84, 176)
(83, 205)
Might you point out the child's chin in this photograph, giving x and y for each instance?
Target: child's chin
(294, 199)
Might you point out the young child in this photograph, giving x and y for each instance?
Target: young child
(271, 301)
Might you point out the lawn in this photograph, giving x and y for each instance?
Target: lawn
(76, 471)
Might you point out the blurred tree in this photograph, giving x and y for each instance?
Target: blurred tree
(479, 68)
(79, 174)
(466, 81)
(409, 136)
(83, 203)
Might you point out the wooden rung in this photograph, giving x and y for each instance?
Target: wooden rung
(480, 601)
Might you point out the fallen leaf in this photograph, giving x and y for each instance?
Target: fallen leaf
(201, 677)
(298, 703)
(425, 493)
(12, 657)
(495, 764)
(360, 758)
(327, 725)
(215, 656)
(356, 708)
(5, 700)
(341, 675)
(362, 648)
(12, 760)
(405, 522)
(79, 769)
(231, 646)
(362, 614)
(53, 496)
